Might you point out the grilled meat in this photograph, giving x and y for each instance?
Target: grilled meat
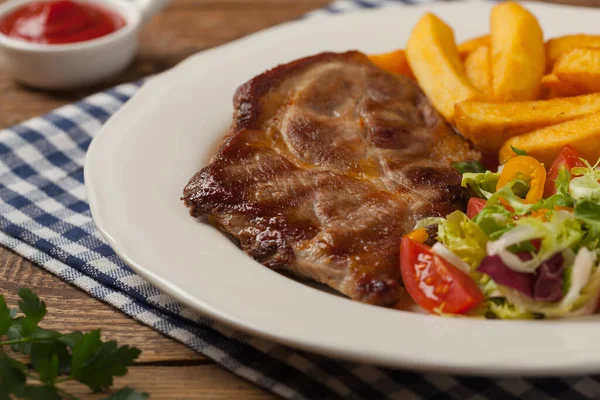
(329, 161)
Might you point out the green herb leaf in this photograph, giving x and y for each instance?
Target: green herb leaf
(34, 392)
(20, 330)
(468, 166)
(75, 356)
(127, 394)
(95, 363)
(518, 152)
(12, 376)
(49, 359)
(33, 308)
(5, 317)
(71, 339)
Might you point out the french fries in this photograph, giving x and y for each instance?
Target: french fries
(583, 134)
(488, 125)
(508, 87)
(433, 58)
(557, 46)
(467, 47)
(553, 87)
(580, 68)
(477, 68)
(517, 53)
(394, 62)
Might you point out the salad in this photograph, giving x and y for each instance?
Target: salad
(528, 246)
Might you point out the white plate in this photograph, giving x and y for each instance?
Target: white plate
(138, 165)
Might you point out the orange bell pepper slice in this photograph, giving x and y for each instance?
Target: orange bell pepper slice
(528, 168)
(418, 235)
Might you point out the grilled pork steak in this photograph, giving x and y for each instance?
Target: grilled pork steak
(329, 161)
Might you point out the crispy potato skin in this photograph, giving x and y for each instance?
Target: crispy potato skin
(583, 134)
(553, 87)
(468, 46)
(433, 58)
(394, 62)
(556, 47)
(477, 69)
(488, 125)
(580, 68)
(517, 53)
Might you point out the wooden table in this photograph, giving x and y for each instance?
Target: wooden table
(166, 369)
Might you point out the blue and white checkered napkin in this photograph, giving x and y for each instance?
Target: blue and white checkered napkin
(44, 216)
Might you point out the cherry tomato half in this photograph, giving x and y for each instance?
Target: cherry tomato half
(474, 206)
(568, 158)
(433, 282)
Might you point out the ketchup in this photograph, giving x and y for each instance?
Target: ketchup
(60, 22)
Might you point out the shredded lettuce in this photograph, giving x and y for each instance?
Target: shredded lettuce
(482, 184)
(589, 213)
(494, 220)
(562, 198)
(566, 222)
(501, 308)
(506, 196)
(586, 186)
(581, 299)
(562, 231)
(463, 237)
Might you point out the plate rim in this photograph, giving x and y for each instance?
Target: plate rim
(161, 83)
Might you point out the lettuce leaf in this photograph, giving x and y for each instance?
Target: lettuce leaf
(506, 195)
(463, 237)
(503, 309)
(482, 184)
(562, 231)
(585, 282)
(586, 186)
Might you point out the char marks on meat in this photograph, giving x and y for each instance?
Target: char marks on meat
(329, 161)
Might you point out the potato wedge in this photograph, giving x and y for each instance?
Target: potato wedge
(394, 62)
(583, 134)
(467, 47)
(580, 68)
(477, 68)
(557, 46)
(433, 58)
(517, 53)
(488, 125)
(553, 87)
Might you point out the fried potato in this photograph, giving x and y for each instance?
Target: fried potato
(488, 125)
(394, 62)
(517, 53)
(553, 87)
(477, 68)
(557, 46)
(467, 47)
(433, 58)
(580, 68)
(583, 134)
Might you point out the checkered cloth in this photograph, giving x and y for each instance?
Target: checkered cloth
(44, 216)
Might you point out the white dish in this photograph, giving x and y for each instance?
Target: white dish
(137, 167)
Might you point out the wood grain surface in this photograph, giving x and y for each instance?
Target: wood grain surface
(166, 369)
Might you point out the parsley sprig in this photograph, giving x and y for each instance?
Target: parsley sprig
(55, 357)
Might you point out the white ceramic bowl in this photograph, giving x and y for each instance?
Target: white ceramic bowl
(65, 66)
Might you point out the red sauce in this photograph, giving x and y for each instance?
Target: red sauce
(59, 22)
